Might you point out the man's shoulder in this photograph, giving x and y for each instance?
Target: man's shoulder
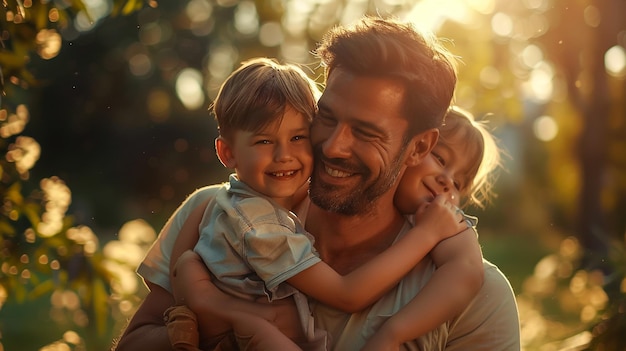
(491, 321)
(495, 278)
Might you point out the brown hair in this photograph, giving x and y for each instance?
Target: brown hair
(392, 49)
(482, 149)
(257, 93)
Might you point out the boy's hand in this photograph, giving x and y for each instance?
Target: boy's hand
(440, 216)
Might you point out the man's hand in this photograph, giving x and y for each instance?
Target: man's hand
(146, 330)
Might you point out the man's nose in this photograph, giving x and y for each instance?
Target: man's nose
(339, 143)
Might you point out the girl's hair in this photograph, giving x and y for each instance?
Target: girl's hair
(482, 149)
(257, 94)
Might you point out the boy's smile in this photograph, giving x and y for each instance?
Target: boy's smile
(275, 161)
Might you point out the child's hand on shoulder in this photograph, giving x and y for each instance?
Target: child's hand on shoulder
(440, 216)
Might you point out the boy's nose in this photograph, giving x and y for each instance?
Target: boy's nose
(282, 154)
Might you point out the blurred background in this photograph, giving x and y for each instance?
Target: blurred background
(105, 130)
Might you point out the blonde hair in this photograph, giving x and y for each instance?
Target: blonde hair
(482, 149)
(257, 94)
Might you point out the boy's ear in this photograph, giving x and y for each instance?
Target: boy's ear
(225, 153)
(421, 145)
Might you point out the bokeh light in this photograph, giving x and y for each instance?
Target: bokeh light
(271, 34)
(246, 18)
(48, 43)
(189, 88)
(502, 24)
(615, 62)
(545, 128)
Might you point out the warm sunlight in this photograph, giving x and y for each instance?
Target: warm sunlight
(105, 129)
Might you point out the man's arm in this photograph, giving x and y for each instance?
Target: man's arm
(147, 330)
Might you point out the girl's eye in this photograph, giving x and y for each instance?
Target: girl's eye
(439, 158)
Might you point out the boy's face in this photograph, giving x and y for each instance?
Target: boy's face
(277, 160)
(443, 171)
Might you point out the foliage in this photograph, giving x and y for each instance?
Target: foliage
(563, 307)
(43, 256)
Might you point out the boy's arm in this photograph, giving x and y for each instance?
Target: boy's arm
(366, 284)
(147, 329)
(453, 285)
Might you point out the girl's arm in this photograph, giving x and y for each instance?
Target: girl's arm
(454, 284)
(368, 283)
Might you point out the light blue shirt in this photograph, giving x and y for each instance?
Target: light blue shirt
(252, 245)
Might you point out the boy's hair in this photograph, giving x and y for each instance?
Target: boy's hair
(257, 94)
(389, 48)
(482, 149)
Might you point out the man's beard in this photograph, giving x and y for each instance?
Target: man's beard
(357, 200)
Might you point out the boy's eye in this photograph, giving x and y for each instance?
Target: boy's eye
(262, 142)
(300, 137)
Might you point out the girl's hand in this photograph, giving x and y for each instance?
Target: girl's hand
(440, 216)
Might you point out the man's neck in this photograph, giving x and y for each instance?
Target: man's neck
(346, 242)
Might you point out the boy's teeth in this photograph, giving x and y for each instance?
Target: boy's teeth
(282, 174)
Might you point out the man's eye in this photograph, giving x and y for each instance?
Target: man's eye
(365, 134)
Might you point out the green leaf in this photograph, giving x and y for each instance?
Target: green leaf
(41, 289)
(100, 305)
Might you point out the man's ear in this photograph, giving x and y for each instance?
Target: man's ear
(225, 153)
(421, 145)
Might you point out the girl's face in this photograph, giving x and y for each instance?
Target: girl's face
(277, 160)
(443, 171)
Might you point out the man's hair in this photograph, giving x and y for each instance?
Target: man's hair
(482, 149)
(257, 94)
(389, 48)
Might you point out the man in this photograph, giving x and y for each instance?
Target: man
(388, 88)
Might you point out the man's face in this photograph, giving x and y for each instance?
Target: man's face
(358, 142)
